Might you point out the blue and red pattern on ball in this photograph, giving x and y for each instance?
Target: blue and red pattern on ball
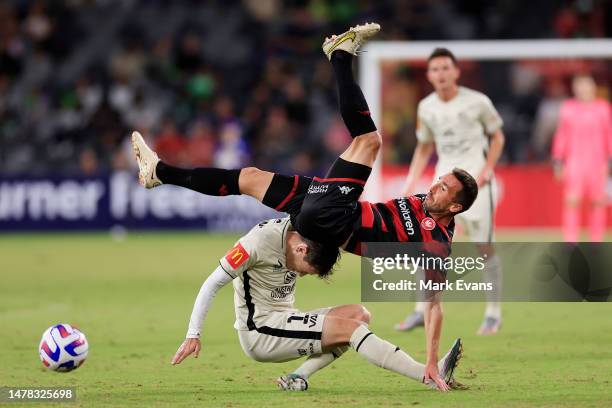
(52, 355)
(70, 347)
(62, 331)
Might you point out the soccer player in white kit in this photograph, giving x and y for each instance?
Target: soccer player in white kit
(263, 267)
(464, 128)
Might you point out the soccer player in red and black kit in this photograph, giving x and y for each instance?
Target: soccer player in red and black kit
(328, 209)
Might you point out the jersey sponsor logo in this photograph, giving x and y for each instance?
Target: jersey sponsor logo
(345, 189)
(428, 223)
(320, 189)
(405, 211)
(282, 292)
(237, 256)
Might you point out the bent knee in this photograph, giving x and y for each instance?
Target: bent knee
(370, 141)
(254, 182)
(248, 174)
(359, 313)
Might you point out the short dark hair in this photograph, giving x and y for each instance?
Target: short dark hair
(442, 52)
(469, 190)
(321, 257)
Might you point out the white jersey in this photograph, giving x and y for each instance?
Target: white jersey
(459, 129)
(262, 281)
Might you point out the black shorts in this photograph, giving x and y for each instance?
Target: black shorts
(330, 209)
(323, 210)
(286, 194)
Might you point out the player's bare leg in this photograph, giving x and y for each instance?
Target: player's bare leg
(254, 182)
(298, 379)
(363, 149)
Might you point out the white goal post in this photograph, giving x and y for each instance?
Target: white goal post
(377, 51)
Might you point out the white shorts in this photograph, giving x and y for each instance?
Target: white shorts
(478, 220)
(284, 336)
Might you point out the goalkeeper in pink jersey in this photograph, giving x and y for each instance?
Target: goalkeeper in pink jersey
(582, 149)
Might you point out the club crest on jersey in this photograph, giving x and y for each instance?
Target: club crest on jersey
(428, 223)
(237, 256)
(289, 277)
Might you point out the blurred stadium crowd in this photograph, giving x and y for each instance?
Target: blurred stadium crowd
(230, 82)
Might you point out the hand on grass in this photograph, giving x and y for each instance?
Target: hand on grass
(188, 347)
(432, 374)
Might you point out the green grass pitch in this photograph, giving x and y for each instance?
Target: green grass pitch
(133, 298)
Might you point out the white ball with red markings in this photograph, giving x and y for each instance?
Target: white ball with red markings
(63, 348)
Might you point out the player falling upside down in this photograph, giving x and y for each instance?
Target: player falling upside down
(327, 210)
(264, 266)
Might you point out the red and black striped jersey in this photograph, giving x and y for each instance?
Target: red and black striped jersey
(399, 220)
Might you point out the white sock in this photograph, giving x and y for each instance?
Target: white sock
(420, 307)
(493, 309)
(493, 275)
(384, 354)
(317, 362)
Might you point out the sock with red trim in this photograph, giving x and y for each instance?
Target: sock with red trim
(353, 106)
(206, 180)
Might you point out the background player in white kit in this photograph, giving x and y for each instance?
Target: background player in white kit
(464, 128)
(264, 266)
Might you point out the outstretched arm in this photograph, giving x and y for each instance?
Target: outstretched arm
(433, 330)
(218, 279)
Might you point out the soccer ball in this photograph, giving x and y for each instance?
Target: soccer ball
(63, 348)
